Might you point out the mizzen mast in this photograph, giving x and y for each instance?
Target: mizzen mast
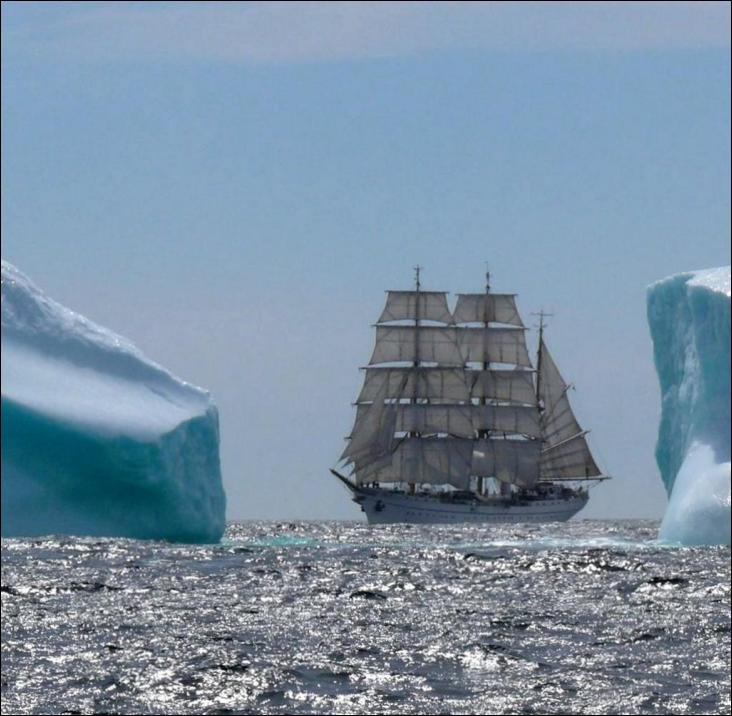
(542, 315)
(565, 454)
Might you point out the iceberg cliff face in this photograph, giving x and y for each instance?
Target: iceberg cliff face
(97, 439)
(689, 318)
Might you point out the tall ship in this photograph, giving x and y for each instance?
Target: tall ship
(455, 424)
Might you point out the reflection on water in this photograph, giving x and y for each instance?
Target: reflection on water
(582, 617)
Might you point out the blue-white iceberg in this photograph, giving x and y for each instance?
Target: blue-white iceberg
(97, 439)
(689, 317)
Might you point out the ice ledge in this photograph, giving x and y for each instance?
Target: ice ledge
(96, 438)
(714, 279)
(717, 279)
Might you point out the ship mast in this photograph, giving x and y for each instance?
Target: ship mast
(503, 394)
(542, 316)
(415, 365)
(486, 366)
(417, 286)
(565, 454)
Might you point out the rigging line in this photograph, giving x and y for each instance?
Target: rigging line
(580, 434)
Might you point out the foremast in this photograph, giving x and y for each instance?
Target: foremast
(413, 384)
(414, 399)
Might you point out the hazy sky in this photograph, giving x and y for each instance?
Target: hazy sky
(234, 185)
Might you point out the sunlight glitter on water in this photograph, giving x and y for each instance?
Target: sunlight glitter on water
(341, 617)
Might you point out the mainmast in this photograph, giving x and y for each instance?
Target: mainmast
(490, 333)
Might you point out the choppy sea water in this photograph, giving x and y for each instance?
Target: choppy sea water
(585, 617)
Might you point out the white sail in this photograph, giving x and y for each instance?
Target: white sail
(437, 461)
(444, 384)
(461, 420)
(518, 419)
(449, 419)
(558, 418)
(571, 458)
(493, 345)
(511, 385)
(373, 432)
(374, 470)
(512, 461)
(487, 308)
(565, 453)
(434, 344)
(404, 305)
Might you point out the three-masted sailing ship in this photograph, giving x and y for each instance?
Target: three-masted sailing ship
(455, 424)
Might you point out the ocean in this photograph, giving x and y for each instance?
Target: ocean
(584, 617)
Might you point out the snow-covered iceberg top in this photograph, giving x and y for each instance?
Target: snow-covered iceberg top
(96, 438)
(717, 279)
(689, 318)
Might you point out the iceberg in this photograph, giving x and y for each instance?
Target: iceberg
(97, 439)
(689, 319)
